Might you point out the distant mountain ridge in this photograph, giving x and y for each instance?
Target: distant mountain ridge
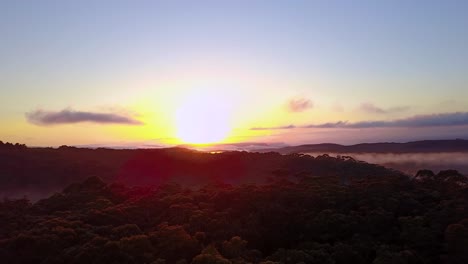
(423, 146)
(38, 172)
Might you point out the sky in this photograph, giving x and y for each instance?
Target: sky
(158, 73)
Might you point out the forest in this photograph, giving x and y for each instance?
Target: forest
(183, 206)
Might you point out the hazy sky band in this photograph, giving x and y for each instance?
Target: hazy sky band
(280, 62)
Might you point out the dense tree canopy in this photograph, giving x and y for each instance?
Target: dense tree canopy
(39, 172)
(315, 219)
(181, 206)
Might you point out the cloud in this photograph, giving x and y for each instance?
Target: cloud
(434, 120)
(273, 128)
(299, 105)
(68, 116)
(328, 125)
(371, 108)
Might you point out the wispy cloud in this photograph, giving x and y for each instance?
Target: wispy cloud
(299, 105)
(434, 120)
(273, 128)
(371, 108)
(68, 116)
(327, 125)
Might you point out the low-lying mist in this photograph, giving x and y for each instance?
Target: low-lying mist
(410, 163)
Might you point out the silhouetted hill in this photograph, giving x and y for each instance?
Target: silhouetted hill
(37, 172)
(425, 146)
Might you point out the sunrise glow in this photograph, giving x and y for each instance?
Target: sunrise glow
(203, 117)
(242, 131)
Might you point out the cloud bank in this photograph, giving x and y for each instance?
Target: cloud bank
(299, 105)
(67, 116)
(434, 120)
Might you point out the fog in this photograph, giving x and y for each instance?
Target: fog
(410, 163)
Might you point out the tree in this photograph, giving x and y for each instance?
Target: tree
(210, 255)
(456, 236)
(234, 248)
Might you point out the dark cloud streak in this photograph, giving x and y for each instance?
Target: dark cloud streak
(273, 128)
(434, 120)
(67, 116)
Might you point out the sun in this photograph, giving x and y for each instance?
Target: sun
(203, 118)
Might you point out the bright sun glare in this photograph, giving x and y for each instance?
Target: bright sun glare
(203, 118)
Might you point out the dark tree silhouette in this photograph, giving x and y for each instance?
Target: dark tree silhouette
(275, 209)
